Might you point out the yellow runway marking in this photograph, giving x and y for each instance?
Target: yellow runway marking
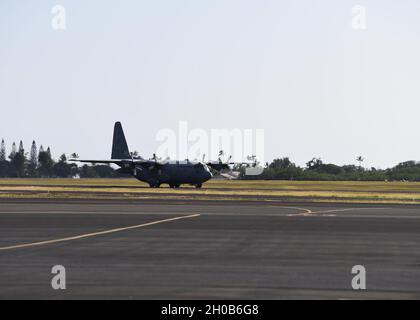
(93, 234)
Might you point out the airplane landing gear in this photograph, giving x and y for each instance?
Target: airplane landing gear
(198, 185)
(154, 184)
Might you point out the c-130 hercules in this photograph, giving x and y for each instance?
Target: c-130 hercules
(156, 172)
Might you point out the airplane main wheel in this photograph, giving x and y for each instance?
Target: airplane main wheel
(198, 185)
(154, 185)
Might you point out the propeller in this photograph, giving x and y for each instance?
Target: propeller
(156, 166)
(133, 166)
(221, 153)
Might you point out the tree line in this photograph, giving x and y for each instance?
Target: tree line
(40, 164)
(316, 169)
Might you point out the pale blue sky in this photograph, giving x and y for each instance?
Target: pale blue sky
(294, 68)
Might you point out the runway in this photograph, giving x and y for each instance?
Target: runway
(207, 250)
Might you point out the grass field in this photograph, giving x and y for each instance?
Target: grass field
(322, 191)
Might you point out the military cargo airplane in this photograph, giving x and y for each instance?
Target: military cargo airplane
(156, 172)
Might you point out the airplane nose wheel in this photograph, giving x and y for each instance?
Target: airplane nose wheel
(198, 185)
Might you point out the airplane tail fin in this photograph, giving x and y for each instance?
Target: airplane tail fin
(119, 144)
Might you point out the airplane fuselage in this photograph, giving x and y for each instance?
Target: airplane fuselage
(173, 173)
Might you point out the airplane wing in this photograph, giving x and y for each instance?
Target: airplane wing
(94, 161)
(119, 162)
(116, 161)
(218, 166)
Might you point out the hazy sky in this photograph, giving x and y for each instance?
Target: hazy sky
(294, 68)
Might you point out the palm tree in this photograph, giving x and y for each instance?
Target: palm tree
(360, 160)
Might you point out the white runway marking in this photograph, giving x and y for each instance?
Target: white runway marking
(328, 213)
(306, 212)
(89, 212)
(93, 234)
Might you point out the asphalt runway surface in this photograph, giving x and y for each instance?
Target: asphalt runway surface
(207, 250)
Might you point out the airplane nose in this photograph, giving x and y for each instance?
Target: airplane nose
(209, 175)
